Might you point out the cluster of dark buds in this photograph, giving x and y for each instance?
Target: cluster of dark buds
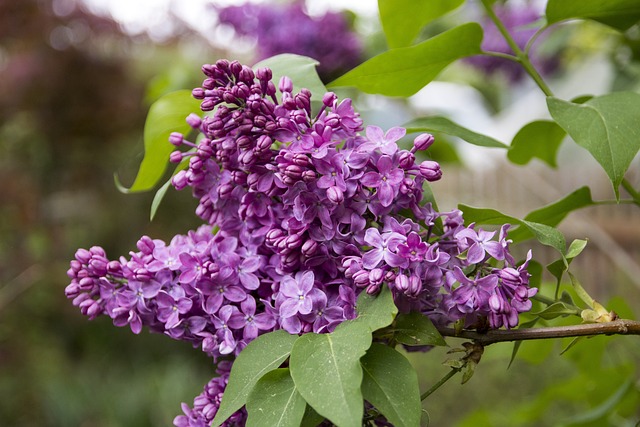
(303, 212)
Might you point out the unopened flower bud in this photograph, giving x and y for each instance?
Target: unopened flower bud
(329, 98)
(309, 248)
(376, 276)
(285, 84)
(430, 170)
(402, 283)
(361, 278)
(175, 156)
(423, 141)
(176, 138)
(194, 120)
(406, 159)
(335, 195)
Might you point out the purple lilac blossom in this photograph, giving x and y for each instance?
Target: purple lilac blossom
(287, 28)
(308, 213)
(519, 20)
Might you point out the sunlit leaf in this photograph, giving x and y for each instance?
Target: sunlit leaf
(540, 139)
(619, 14)
(444, 125)
(168, 114)
(406, 70)
(403, 19)
(607, 126)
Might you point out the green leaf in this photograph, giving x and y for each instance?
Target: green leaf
(444, 125)
(607, 126)
(545, 234)
(162, 191)
(556, 310)
(275, 402)
(406, 70)
(416, 329)
(327, 372)
(168, 114)
(619, 14)
(540, 139)
(390, 384)
(575, 248)
(554, 213)
(262, 355)
(402, 20)
(602, 412)
(300, 69)
(376, 311)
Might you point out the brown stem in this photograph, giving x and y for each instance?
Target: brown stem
(616, 327)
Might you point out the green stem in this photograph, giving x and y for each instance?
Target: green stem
(437, 385)
(520, 54)
(501, 55)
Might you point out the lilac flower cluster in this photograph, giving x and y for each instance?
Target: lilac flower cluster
(287, 28)
(519, 20)
(303, 213)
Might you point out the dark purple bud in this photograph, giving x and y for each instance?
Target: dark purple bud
(430, 170)
(264, 74)
(142, 274)
(291, 261)
(373, 289)
(195, 163)
(225, 190)
(246, 75)
(175, 157)
(300, 159)
(335, 195)
(235, 67)
(285, 84)
(274, 235)
(239, 177)
(423, 141)
(361, 278)
(194, 120)
(83, 255)
(176, 138)
(376, 276)
(308, 176)
(204, 151)
(86, 284)
(415, 286)
(179, 180)
(114, 267)
(293, 241)
(406, 159)
(390, 276)
(207, 105)
(329, 98)
(402, 283)
(145, 245)
(244, 142)
(293, 172)
(198, 93)
(309, 248)
(264, 143)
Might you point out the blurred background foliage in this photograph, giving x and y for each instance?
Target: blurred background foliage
(74, 91)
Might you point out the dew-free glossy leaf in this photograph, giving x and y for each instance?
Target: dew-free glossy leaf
(275, 402)
(540, 139)
(416, 329)
(262, 355)
(391, 385)
(300, 69)
(168, 114)
(402, 20)
(376, 311)
(327, 373)
(404, 71)
(545, 234)
(606, 126)
(619, 14)
(554, 213)
(444, 125)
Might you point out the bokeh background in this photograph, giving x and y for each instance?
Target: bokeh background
(76, 80)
